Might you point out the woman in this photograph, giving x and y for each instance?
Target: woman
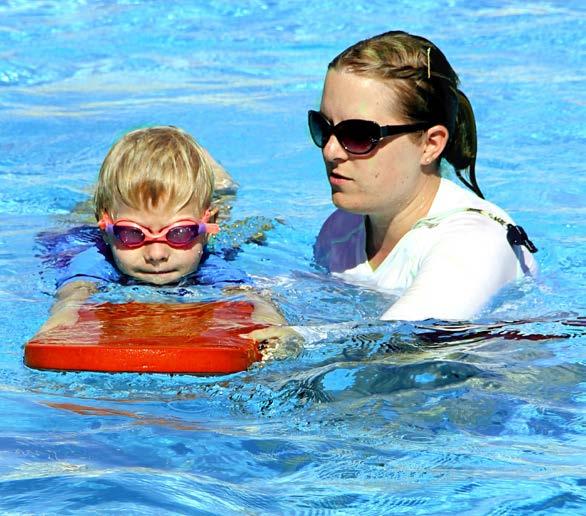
(391, 113)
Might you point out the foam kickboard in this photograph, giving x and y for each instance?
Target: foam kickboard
(199, 338)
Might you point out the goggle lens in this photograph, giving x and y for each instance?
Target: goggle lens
(128, 235)
(183, 235)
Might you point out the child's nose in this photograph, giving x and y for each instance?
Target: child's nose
(156, 253)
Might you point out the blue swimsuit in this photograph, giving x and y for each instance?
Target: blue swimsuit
(82, 255)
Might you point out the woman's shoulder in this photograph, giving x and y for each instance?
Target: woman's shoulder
(460, 214)
(459, 218)
(475, 227)
(452, 197)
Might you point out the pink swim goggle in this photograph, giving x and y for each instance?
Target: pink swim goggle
(181, 234)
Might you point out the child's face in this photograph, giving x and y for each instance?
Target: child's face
(157, 262)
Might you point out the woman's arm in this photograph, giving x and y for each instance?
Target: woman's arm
(468, 263)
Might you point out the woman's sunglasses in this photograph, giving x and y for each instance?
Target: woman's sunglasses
(181, 234)
(356, 136)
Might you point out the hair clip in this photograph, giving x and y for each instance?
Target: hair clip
(429, 62)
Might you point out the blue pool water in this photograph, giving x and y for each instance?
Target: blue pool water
(371, 418)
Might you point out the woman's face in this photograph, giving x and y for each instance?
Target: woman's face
(388, 179)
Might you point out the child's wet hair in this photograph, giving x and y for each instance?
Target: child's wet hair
(154, 165)
(426, 86)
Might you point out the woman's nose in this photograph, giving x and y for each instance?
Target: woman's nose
(333, 150)
(156, 253)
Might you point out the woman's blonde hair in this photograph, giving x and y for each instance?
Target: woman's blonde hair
(427, 89)
(153, 165)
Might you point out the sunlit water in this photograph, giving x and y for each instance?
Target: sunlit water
(371, 418)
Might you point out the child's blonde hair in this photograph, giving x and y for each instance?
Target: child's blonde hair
(152, 165)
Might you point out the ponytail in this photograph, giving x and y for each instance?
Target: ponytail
(461, 149)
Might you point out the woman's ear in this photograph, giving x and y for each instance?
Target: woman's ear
(436, 139)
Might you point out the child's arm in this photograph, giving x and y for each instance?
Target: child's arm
(69, 299)
(223, 182)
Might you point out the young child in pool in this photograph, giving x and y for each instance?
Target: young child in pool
(153, 206)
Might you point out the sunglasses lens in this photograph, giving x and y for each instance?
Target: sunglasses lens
(358, 136)
(128, 235)
(319, 129)
(183, 235)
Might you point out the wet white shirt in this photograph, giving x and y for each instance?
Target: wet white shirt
(448, 266)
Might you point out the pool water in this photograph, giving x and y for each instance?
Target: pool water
(371, 418)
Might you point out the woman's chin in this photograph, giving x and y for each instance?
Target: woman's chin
(347, 203)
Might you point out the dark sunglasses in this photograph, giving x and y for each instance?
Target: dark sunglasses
(356, 136)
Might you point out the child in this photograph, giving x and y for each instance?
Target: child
(152, 204)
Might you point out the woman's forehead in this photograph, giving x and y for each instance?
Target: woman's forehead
(349, 95)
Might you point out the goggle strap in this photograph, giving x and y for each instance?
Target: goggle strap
(210, 228)
(105, 223)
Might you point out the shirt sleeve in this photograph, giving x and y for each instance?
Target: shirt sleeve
(89, 265)
(341, 242)
(468, 263)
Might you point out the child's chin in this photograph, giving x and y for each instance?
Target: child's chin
(160, 279)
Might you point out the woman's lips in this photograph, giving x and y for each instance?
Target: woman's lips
(337, 179)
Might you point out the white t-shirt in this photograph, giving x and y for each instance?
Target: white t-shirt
(448, 266)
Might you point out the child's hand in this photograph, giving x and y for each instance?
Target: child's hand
(277, 342)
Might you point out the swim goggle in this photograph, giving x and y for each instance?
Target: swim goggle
(356, 136)
(181, 234)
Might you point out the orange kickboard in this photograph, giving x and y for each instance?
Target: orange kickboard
(199, 338)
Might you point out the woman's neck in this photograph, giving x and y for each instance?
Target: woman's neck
(383, 231)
